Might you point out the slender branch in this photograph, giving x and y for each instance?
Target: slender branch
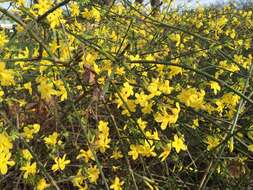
(41, 17)
(205, 175)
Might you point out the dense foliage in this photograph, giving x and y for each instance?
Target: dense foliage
(122, 96)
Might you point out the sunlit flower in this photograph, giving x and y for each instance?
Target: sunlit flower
(60, 163)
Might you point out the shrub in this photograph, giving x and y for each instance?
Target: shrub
(97, 96)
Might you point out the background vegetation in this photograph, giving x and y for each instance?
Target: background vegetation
(126, 95)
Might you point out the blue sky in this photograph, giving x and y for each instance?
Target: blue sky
(4, 4)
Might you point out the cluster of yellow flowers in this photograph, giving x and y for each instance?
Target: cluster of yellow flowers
(114, 98)
(6, 75)
(47, 89)
(5, 153)
(30, 130)
(3, 39)
(103, 136)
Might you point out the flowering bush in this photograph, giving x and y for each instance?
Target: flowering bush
(116, 97)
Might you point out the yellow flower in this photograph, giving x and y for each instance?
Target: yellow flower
(95, 14)
(230, 99)
(220, 105)
(164, 118)
(42, 184)
(142, 124)
(250, 147)
(141, 99)
(26, 154)
(86, 14)
(103, 127)
(152, 136)
(120, 70)
(60, 163)
(191, 97)
(195, 123)
(28, 86)
(46, 89)
(117, 154)
(153, 88)
(176, 38)
(150, 57)
(92, 14)
(212, 142)
(87, 155)
(93, 174)
(215, 87)
(4, 162)
(117, 184)
(27, 133)
(36, 127)
(131, 105)
(1, 95)
(135, 151)
(127, 90)
(166, 151)
(42, 6)
(74, 9)
(165, 87)
(6, 75)
(5, 142)
(230, 67)
(51, 140)
(56, 18)
(178, 144)
(79, 181)
(174, 70)
(21, 2)
(61, 92)
(103, 140)
(29, 169)
(30, 130)
(134, 57)
(147, 149)
(3, 39)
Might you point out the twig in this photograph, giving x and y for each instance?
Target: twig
(205, 175)
(41, 17)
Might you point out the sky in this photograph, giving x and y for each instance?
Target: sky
(4, 5)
